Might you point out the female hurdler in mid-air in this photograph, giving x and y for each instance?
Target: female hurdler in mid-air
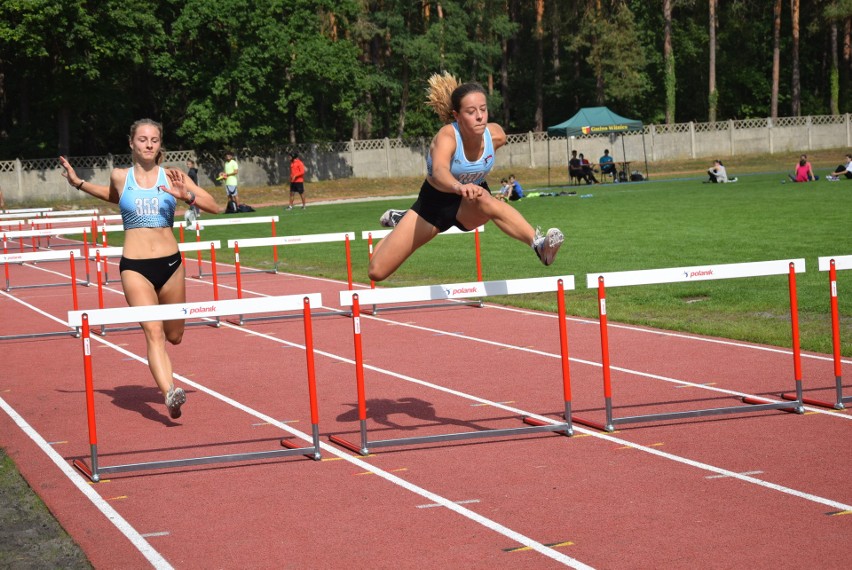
(454, 192)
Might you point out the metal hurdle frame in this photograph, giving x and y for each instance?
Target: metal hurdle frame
(199, 225)
(86, 319)
(235, 244)
(5, 259)
(453, 291)
(832, 264)
(378, 234)
(36, 256)
(690, 274)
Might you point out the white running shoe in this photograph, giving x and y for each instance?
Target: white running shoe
(547, 245)
(391, 218)
(174, 400)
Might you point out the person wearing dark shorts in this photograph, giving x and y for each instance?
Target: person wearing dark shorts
(150, 267)
(297, 179)
(454, 192)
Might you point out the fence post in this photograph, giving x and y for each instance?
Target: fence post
(691, 139)
(387, 157)
(352, 156)
(769, 135)
(848, 129)
(19, 174)
(532, 148)
(731, 135)
(810, 124)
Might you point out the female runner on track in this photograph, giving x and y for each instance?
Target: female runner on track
(151, 268)
(454, 192)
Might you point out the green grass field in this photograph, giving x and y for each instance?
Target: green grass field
(654, 224)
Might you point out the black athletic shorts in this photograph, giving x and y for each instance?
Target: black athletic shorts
(440, 208)
(157, 270)
(298, 187)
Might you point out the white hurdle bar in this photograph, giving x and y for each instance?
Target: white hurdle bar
(180, 311)
(686, 275)
(369, 235)
(457, 291)
(70, 255)
(35, 257)
(832, 264)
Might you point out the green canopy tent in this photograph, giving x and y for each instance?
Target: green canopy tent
(593, 121)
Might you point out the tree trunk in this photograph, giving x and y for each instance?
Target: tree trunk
(776, 57)
(668, 61)
(403, 104)
(600, 91)
(796, 86)
(63, 130)
(834, 91)
(539, 66)
(712, 95)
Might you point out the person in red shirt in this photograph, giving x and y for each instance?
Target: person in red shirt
(297, 179)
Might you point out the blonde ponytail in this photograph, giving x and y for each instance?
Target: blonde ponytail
(441, 87)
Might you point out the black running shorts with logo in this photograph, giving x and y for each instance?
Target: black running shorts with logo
(297, 187)
(157, 270)
(440, 208)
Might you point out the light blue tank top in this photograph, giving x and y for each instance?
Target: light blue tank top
(464, 170)
(147, 207)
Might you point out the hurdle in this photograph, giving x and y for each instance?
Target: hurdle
(21, 258)
(86, 319)
(832, 264)
(35, 257)
(28, 211)
(369, 235)
(458, 291)
(683, 275)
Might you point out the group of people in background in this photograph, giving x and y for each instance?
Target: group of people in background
(804, 172)
(580, 168)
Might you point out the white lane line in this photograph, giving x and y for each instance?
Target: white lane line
(138, 541)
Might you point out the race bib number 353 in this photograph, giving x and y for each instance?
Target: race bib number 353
(147, 206)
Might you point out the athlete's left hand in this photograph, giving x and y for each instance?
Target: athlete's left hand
(177, 181)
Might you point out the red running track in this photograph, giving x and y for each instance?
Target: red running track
(766, 490)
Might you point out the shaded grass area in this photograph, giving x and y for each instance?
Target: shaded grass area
(29, 535)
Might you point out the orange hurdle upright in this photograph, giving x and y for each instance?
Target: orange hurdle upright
(832, 264)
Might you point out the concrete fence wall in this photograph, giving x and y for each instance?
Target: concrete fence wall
(33, 181)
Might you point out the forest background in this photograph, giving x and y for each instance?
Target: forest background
(233, 74)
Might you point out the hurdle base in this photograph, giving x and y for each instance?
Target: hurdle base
(83, 467)
(310, 452)
(376, 309)
(609, 428)
(488, 433)
(349, 445)
(761, 404)
(568, 431)
(838, 405)
(242, 320)
(72, 332)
